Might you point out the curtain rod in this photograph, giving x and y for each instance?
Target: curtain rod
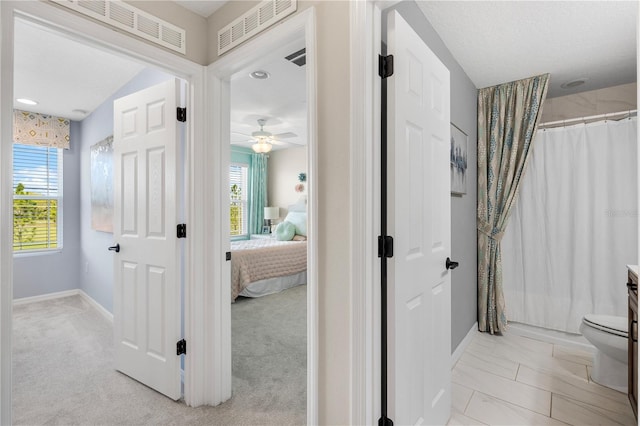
(590, 118)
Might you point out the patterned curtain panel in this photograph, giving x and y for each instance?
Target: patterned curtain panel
(258, 194)
(508, 115)
(31, 128)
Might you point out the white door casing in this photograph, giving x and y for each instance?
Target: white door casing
(419, 220)
(220, 74)
(147, 282)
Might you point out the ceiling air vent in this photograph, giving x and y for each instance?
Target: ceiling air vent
(299, 58)
(254, 21)
(131, 19)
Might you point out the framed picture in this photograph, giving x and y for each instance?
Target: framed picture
(266, 229)
(458, 160)
(102, 185)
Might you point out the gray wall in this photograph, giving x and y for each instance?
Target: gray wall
(463, 209)
(96, 263)
(38, 274)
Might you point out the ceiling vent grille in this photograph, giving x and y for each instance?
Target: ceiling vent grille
(131, 19)
(254, 21)
(299, 58)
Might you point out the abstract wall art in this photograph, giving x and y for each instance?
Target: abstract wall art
(458, 160)
(102, 185)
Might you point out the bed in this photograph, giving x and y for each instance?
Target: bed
(265, 266)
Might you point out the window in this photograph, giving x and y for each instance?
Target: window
(238, 191)
(37, 198)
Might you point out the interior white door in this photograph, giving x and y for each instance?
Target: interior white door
(419, 220)
(147, 282)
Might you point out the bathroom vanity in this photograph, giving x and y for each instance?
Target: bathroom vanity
(632, 287)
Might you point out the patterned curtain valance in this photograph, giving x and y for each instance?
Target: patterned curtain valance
(31, 128)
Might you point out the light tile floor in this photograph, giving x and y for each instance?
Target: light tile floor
(514, 380)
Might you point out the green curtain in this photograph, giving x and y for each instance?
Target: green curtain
(508, 115)
(258, 193)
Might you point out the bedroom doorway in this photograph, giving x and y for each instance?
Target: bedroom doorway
(268, 231)
(56, 280)
(264, 104)
(55, 20)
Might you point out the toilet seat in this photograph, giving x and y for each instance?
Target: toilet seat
(609, 324)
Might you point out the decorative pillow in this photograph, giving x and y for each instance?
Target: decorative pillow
(299, 238)
(285, 231)
(299, 219)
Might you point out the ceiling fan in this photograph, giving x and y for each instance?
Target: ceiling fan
(263, 141)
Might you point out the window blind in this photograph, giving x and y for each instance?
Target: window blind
(238, 193)
(37, 199)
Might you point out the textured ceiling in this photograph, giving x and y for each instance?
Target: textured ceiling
(494, 42)
(500, 41)
(63, 75)
(280, 99)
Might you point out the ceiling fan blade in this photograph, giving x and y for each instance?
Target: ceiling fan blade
(285, 135)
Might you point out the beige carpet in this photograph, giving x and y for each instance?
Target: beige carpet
(63, 368)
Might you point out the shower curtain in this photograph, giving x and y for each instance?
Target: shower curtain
(574, 226)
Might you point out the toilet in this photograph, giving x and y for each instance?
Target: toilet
(609, 335)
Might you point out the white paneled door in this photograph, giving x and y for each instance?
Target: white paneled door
(147, 282)
(419, 220)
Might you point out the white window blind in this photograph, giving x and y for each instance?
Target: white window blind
(37, 199)
(238, 193)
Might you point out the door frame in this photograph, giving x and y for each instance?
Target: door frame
(197, 389)
(366, 98)
(365, 211)
(218, 154)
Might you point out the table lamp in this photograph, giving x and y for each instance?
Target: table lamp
(271, 213)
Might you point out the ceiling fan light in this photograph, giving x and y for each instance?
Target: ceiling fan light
(261, 147)
(26, 101)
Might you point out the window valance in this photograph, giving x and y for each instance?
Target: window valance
(31, 128)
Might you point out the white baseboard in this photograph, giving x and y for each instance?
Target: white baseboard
(463, 345)
(43, 297)
(75, 292)
(108, 315)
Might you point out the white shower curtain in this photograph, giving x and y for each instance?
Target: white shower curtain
(574, 227)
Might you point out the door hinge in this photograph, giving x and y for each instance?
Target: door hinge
(385, 66)
(227, 256)
(182, 230)
(385, 246)
(181, 347)
(182, 114)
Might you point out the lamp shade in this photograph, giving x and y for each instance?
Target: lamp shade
(271, 212)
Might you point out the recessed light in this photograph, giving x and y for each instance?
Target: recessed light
(80, 111)
(260, 75)
(26, 101)
(574, 83)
